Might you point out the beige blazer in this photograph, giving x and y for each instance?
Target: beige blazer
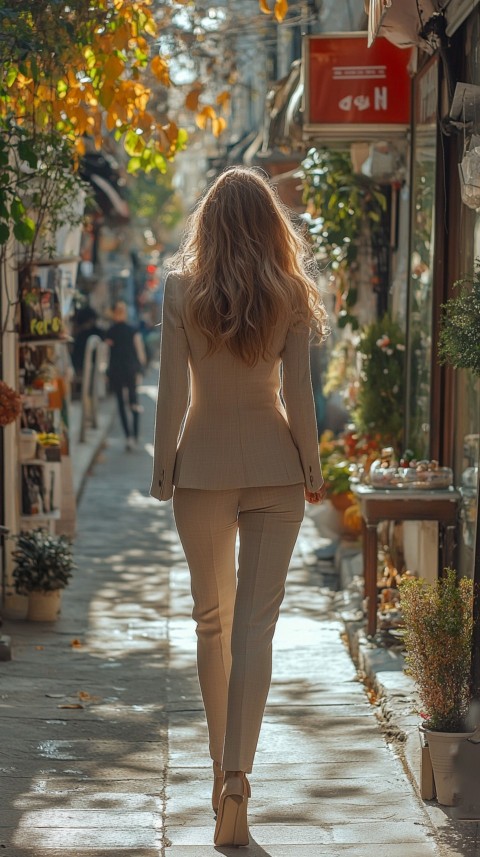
(221, 424)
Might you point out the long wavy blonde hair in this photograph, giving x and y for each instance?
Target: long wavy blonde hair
(247, 267)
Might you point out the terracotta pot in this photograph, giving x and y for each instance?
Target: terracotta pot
(444, 747)
(340, 502)
(44, 606)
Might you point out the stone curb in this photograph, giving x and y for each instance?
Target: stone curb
(393, 692)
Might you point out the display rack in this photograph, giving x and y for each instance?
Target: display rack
(43, 370)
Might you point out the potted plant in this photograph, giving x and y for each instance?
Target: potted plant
(43, 565)
(438, 628)
(460, 327)
(379, 408)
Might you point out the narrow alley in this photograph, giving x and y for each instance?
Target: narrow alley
(104, 748)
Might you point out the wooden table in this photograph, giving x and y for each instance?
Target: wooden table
(398, 504)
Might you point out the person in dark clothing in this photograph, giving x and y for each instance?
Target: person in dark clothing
(127, 359)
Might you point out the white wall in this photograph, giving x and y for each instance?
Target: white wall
(420, 546)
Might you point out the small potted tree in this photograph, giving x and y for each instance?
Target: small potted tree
(43, 565)
(438, 628)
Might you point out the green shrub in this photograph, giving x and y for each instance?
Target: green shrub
(459, 339)
(42, 562)
(438, 635)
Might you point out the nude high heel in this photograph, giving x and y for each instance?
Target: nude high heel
(232, 825)
(218, 777)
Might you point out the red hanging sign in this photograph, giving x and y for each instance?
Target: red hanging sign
(348, 83)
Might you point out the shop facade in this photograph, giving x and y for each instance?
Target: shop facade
(442, 403)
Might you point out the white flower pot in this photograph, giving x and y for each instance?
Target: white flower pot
(444, 747)
(44, 606)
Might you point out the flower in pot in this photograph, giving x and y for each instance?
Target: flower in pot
(43, 565)
(438, 625)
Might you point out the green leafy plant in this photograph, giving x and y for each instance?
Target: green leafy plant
(380, 400)
(39, 190)
(459, 340)
(438, 634)
(341, 205)
(42, 562)
(336, 474)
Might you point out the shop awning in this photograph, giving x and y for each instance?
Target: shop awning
(403, 21)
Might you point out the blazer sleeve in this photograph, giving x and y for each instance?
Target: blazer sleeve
(173, 390)
(299, 403)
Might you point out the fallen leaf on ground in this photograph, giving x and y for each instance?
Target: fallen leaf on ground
(87, 697)
(76, 644)
(39, 648)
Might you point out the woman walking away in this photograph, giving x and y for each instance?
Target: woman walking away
(238, 312)
(127, 359)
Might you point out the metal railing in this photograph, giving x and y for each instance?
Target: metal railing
(93, 382)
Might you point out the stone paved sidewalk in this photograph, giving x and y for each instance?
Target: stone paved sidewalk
(104, 748)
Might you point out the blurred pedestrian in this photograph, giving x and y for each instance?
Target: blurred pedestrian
(239, 305)
(127, 360)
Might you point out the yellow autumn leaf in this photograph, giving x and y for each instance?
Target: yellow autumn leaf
(90, 98)
(264, 7)
(113, 68)
(150, 27)
(218, 126)
(163, 143)
(45, 93)
(204, 115)
(223, 98)
(79, 119)
(133, 143)
(281, 9)
(80, 147)
(160, 70)
(22, 81)
(121, 38)
(142, 100)
(171, 130)
(201, 121)
(191, 101)
(145, 122)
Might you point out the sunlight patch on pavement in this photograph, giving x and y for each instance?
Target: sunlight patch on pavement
(139, 500)
(149, 390)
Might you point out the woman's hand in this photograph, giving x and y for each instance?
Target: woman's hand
(316, 496)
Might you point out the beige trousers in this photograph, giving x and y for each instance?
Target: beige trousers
(236, 619)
